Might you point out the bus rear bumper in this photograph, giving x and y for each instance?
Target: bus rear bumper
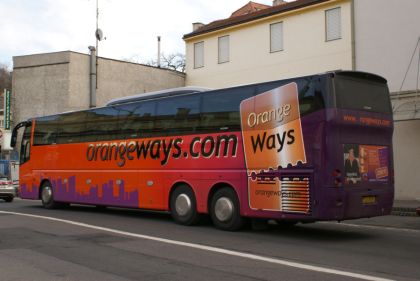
(369, 204)
(355, 204)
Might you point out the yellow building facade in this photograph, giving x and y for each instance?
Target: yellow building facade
(305, 47)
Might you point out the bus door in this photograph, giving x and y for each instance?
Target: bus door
(25, 151)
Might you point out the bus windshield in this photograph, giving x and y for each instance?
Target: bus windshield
(362, 93)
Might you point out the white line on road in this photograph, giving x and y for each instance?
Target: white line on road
(209, 248)
(372, 227)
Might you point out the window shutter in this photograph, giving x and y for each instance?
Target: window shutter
(198, 54)
(224, 49)
(276, 37)
(333, 24)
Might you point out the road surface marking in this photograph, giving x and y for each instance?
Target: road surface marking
(209, 248)
(377, 227)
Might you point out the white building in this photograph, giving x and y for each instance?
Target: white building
(262, 43)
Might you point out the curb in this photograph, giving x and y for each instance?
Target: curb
(406, 212)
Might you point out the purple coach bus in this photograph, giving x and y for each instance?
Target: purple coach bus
(298, 150)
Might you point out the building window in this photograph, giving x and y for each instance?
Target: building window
(199, 54)
(224, 49)
(276, 37)
(333, 24)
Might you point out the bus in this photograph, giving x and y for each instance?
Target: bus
(305, 149)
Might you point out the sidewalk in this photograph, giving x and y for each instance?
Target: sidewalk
(406, 207)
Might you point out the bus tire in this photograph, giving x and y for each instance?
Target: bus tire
(47, 196)
(225, 210)
(184, 206)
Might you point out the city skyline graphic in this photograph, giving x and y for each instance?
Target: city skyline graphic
(108, 193)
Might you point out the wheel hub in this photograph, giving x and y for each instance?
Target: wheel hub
(183, 204)
(46, 194)
(224, 209)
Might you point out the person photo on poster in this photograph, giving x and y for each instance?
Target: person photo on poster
(351, 163)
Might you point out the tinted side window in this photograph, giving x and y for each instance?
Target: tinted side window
(71, 127)
(178, 115)
(220, 109)
(101, 124)
(312, 92)
(137, 119)
(46, 130)
(311, 95)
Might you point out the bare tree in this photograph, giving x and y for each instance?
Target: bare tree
(174, 61)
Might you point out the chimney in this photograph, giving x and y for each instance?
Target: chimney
(92, 77)
(197, 25)
(278, 2)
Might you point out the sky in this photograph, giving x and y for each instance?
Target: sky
(130, 27)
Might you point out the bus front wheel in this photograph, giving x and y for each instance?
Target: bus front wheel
(184, 206)
(47, 196)
(225, 211)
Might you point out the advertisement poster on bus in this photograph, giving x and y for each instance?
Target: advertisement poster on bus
(272, 137)
(365, 163)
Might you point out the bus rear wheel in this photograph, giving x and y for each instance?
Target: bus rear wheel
(184, 206)
(47, 196)
(225, 211)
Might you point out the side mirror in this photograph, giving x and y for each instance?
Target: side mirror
(13, 140)
(15, 131)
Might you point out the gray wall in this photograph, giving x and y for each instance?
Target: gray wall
(51, 83)
(40, 85)
(406, 158)
(386, 33)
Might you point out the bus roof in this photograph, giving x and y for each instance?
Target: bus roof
(196, 89)
(162, 93)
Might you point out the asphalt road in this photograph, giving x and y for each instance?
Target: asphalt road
(116, 244)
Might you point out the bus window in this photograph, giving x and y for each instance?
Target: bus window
(102, 124)
(71, 126)
(220, 109)
(311, 89)
(362, 94)
(311, 98)
(137, 119)
(46, 130)
(178, 115)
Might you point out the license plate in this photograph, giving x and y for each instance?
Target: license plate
(369, 200)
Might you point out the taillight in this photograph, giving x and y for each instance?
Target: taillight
(392, 176)
(337, 178)
(5, 183)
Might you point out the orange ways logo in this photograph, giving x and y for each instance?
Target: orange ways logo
(272, 137)
(161, 150)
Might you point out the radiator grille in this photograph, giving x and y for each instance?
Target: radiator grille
(295, 195)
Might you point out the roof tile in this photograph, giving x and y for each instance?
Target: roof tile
(235, 20)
